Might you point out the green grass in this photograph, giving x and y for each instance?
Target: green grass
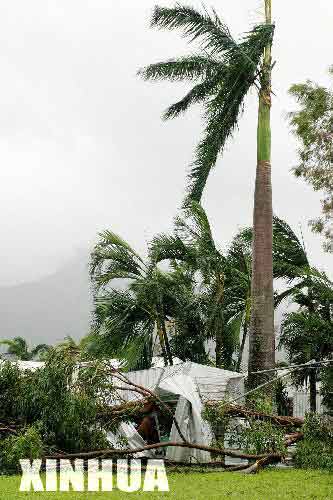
(268, 485)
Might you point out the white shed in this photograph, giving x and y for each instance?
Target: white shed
(186, 386)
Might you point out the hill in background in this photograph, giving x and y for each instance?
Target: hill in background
(47, 310)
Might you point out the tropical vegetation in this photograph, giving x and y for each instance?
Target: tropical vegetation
(204, 295)
(19, 349)
(192, 296)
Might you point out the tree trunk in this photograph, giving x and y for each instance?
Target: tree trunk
(219, 324)
(262, 339)
(313, 390)
(162, 343)
(218, 349)
(241, 349)
(166, 343)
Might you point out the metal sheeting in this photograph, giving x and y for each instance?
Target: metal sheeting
(193, 384)
(133, 439)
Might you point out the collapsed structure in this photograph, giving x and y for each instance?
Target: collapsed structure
(185, 387)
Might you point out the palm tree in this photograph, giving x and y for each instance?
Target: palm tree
(71, 347)
(307, 334)
(262, 337)
(290, 264)
(192, 248)
(224, 71)
(126, 319)
(18, 347)
(238, 285)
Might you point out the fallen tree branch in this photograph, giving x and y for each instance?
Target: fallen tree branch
(148, 393)
(241, 411)
(291, 439)
(136, 408)
(128, 451)
(262, 462)
(4, 429)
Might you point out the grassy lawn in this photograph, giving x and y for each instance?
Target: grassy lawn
(268, 485)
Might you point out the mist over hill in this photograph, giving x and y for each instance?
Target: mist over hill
(46, 310)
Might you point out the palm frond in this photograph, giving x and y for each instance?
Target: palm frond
(113, 258)
(194, 224)
(38, 349)
(165, 247)
(199, 93)
(183, 68)
(223, 111)
(289, 292)
(215, 36)
(289, 254)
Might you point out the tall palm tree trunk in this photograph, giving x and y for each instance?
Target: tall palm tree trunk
(262, 339)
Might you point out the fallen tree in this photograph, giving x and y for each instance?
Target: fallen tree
(97, 416)
(234, 410)
(132, 451)
(141, 406)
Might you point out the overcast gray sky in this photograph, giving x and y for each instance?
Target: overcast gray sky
(82, 146)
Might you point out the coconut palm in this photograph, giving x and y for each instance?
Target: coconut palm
(223, 71)
(128, 319)
(19, 348)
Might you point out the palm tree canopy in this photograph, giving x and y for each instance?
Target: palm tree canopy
(307, 334)
(193, 249)
(128, 321)
(18, 347)
(223, 72)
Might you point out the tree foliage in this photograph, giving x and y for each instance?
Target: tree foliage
(130, 321)
(316, 449)
(60, 400)
(313, 126)
(18, 347)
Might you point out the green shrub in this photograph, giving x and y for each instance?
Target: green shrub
(316, 449)
(62, 399)
(258, 437)
(27, 445)
(10, 390)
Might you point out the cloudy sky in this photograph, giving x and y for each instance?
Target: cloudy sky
(82, 145)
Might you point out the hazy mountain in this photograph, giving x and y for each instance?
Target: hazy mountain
(49, 309)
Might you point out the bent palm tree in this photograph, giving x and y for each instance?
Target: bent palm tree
(126, 319)
(307, 334)
(193, 247)
(18, 347)
(223, 72)
(238, 286)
